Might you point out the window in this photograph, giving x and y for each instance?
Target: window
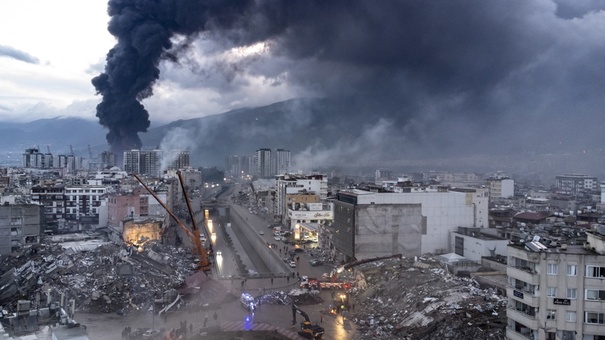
(572, 293)
(551, 314)
(594, 271)
(594, 318)
(594, 294)
(552, 269)
(572, 270)
(551, 291)
(570, 316)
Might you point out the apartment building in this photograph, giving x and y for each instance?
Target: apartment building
(288, 186)
(501, 187)
(557, 291)
(281, 161)
(143, 162)
(52, 199)
(263, 164)
(575, 184)
(84, 202)
(20, 224)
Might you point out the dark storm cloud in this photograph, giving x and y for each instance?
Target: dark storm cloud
(569, 9)
(424, 78)
(471, 76)
(7, 51)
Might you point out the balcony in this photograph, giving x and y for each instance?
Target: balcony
(524, 274)
(511, 334)
(521, 317)
(528, 298)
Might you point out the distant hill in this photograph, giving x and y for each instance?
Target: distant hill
(320, 133)
(291, 125)
(56, 133)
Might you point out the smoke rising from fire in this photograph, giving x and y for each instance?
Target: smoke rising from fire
(422, 78)
(144, 30)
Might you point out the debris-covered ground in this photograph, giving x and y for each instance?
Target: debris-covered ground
(107, 279)
(408, 299)
(297, 296)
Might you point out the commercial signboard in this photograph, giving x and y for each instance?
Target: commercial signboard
(310, 215)
(314, 206)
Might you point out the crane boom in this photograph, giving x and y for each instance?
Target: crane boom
(196, 231)
(204, 264)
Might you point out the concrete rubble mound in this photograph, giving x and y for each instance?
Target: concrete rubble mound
(418, 299)
(297, 296)
(110, 278)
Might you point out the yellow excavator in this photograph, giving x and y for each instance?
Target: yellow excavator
(307, 329)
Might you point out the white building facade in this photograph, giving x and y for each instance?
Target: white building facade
(291, 184)
(369, 224)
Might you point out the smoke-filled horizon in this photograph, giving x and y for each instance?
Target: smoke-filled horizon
(425, 77)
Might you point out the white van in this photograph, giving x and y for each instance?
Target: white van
(248, 302)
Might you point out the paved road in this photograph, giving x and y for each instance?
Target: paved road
(231, 316)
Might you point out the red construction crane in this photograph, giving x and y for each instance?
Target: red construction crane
(194, 233)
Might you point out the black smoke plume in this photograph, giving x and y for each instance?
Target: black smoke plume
(419, 78)
(144, 30)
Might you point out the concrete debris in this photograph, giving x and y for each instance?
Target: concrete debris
(298, 296)
(108, 278)
(408, 299)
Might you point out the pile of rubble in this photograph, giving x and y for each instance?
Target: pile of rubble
(417, 299)
(110, 278)
(297, 296)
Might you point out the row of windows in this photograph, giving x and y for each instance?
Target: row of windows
(597, 318)
(86, 191)
(572, 293)
(572, 270)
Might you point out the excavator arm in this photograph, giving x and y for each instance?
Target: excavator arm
(193, 235)
(295, 310)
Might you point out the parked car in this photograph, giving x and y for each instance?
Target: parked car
(292, 264)
(262, 232)
(277, 238)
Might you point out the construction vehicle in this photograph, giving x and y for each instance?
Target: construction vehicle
(307, 329)
(311, 283)
(193, 234)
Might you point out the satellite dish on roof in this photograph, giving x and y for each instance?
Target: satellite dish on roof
(536, 238)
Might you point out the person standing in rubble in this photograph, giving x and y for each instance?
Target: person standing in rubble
(205, 320)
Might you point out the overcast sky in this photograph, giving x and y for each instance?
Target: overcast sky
(448, 65)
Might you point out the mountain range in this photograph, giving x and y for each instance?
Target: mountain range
(321, 133)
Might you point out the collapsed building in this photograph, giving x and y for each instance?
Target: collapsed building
(105, 278)
(416, 298)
